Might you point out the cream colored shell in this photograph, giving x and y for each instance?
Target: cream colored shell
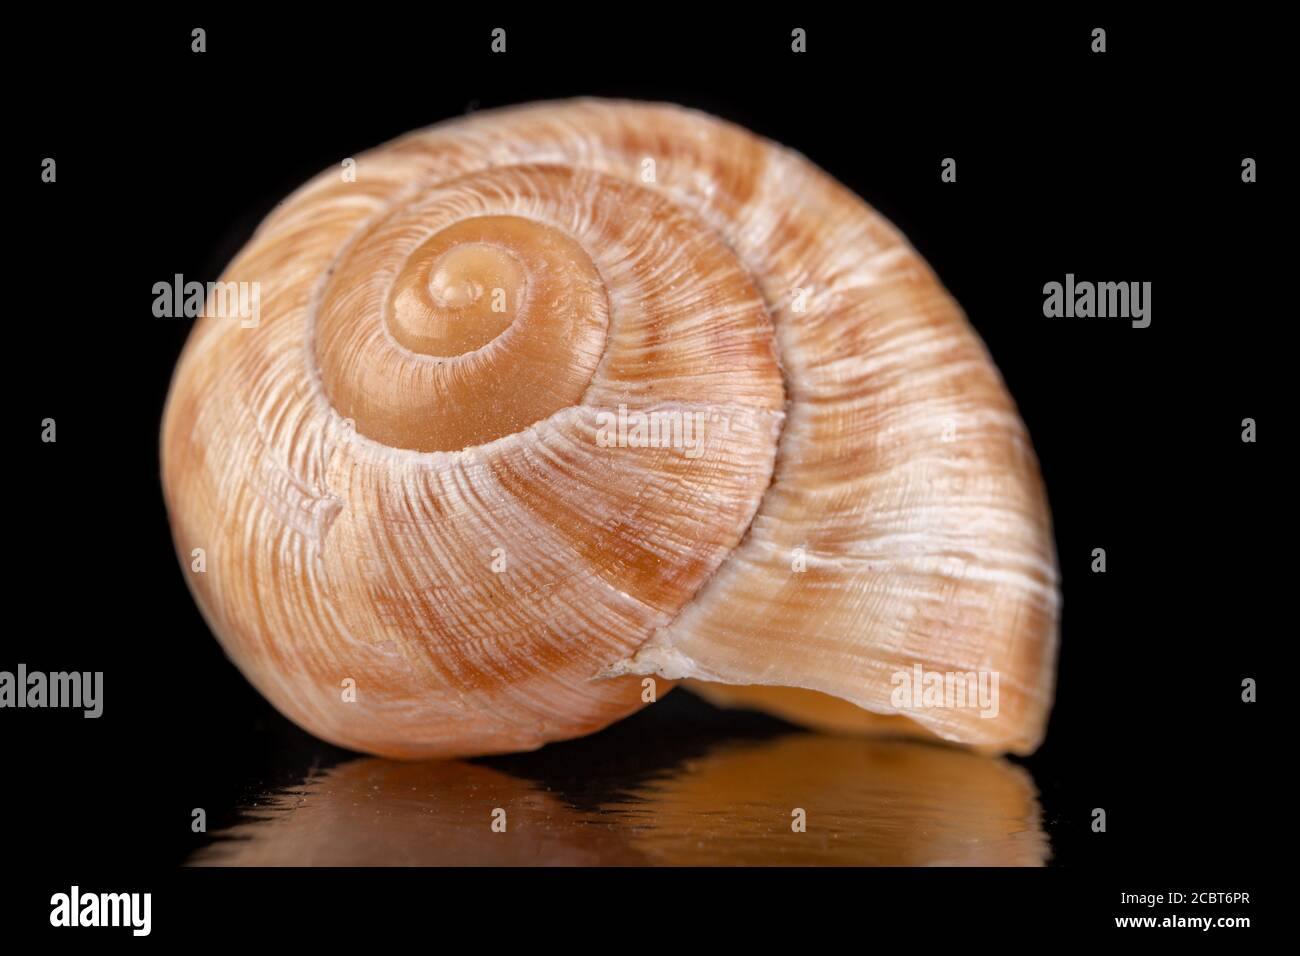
(418, 539)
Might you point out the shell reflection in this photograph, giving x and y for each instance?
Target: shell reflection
(867, 803)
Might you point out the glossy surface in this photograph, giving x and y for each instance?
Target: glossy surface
(727, 797)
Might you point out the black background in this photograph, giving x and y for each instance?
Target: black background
(1124, 166)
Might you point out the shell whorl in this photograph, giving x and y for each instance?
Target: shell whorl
(399, 475)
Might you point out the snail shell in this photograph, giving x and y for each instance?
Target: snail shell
(406, 482)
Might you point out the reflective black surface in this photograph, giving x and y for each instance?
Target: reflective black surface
(1123, 167)
(680, 783)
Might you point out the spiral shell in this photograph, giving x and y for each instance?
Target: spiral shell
(425, 536)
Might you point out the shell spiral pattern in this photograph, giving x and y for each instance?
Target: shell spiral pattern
(519, 424)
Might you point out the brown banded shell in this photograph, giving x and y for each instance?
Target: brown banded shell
(430, 531)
